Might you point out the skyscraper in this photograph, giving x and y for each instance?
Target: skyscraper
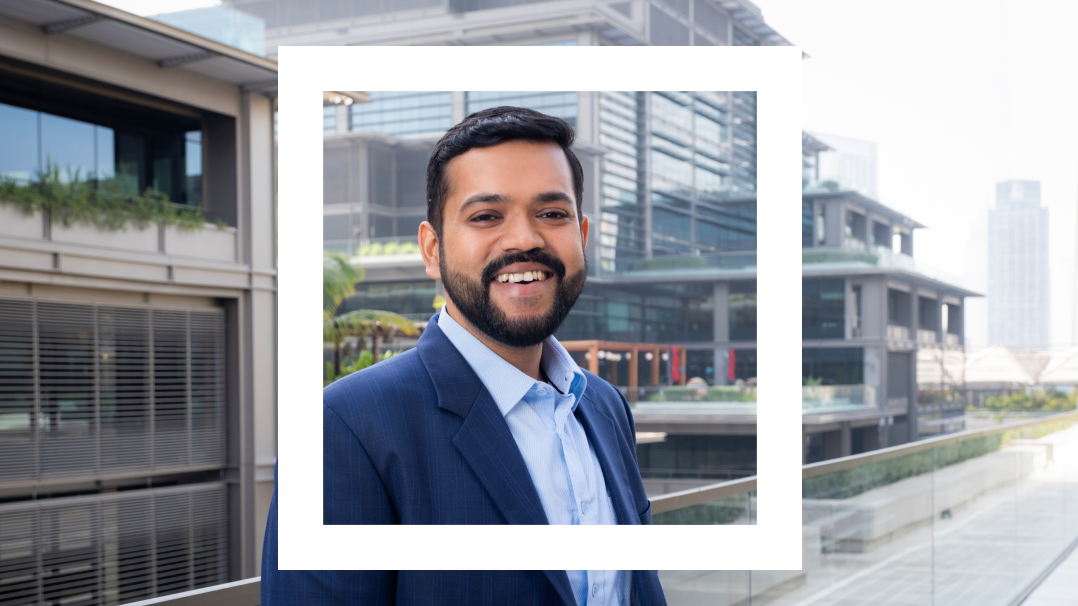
(1018, 309)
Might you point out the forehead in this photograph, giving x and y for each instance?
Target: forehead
(513, 165)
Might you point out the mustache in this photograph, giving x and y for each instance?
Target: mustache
(532, 256)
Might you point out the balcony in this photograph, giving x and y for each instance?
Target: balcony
(858, 257)
(837, 398)
(926, 336)
(898, 333)
(979, 517)
(730, 399)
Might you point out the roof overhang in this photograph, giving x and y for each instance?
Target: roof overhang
(863, 200)
(169, 47)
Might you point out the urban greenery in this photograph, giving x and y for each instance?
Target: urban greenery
(375, 249)
(365, 359)
(107, 204)
(697, 394)
(847, 483)
(722, 511)
(1037, 399)
(339, 278)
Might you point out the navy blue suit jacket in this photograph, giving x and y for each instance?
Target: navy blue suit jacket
(418, 439)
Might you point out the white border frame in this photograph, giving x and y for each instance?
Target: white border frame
(774, 543)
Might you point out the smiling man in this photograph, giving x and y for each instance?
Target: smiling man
(488, 420)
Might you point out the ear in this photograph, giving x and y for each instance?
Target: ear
(428, 247)
(584, 233)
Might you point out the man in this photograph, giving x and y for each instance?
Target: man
(488, 420)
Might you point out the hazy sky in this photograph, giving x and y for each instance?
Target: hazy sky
(958, 95)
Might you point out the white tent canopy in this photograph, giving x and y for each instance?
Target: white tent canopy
(996, 368)
(1062, 369)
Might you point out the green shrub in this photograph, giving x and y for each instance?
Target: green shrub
(108, 204)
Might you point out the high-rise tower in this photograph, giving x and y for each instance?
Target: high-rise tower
(1018, 311)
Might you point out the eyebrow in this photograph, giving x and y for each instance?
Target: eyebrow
(550, 196)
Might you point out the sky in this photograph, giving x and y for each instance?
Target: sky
(957, 95)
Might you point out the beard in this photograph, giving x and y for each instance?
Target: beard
(472, 298)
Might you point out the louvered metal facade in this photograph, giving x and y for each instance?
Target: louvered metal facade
(96, 390)
(113, 548)
(91, 392)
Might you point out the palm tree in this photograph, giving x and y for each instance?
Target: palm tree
(338, 283)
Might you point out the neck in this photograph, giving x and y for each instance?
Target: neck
(525, 359)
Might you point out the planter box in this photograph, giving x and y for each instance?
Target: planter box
(211, 242)
(133, 239)
(16, 224)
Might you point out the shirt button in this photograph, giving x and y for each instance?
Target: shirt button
(542, 390)
(594, 589)
(584, 508)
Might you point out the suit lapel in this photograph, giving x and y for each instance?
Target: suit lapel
(605, 439)
(484, 439)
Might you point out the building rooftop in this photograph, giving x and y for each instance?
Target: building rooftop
(169, 47)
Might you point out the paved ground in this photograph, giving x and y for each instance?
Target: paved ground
(986, 553)
(1059, 589)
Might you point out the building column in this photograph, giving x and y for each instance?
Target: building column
(915, 322)
(846, 439)
(721, 330)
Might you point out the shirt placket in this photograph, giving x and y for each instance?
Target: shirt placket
(584, 492)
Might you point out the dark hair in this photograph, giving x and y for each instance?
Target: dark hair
(490, 127)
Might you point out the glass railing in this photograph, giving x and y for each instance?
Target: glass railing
(820, 398)
(704, 399)
(374, 247)
(860, 255)
(978, 517)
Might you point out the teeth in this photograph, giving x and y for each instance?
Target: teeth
(528, 276)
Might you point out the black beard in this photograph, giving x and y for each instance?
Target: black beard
(473, 299)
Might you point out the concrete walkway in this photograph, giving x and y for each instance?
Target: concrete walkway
(1060, 588)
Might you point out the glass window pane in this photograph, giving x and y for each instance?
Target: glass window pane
(69, 146)
(19, 152)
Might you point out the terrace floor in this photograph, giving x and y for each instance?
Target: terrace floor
(1060, 588)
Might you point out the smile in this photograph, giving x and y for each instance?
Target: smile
(526, 277)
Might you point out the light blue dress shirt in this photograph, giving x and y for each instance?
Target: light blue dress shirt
(562, 464)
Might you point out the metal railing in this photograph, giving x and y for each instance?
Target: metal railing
(938, 514)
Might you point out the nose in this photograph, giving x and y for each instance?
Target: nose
(521, 233)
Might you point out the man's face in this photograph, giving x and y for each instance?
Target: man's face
(511, 254)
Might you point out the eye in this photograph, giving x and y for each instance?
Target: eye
(483, 218)
(554, 214)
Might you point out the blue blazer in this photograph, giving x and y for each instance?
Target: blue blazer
(418, 439)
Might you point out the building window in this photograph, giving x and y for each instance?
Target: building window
(806, 224)
(553, 103)
(403, 113)
(742, 306)
(821, 226)
(823, 308)
(833, 365)
(856, 328)
(139, 152)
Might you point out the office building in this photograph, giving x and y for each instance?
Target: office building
(137, 361)
(1018, 304)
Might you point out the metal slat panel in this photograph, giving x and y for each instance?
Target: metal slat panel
(114, 548)
(124, 344)
(67, 352)
(170, 388)
(18, 449)
(88, 389)
(207, 387)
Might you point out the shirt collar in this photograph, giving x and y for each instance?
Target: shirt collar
(505, 382)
